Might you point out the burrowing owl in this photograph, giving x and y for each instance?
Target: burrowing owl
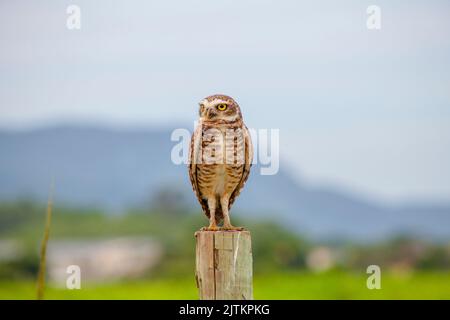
(221, 154)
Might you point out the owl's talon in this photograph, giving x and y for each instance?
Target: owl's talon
(211, 228)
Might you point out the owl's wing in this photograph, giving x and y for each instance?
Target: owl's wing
(248, 158)
(194, 156)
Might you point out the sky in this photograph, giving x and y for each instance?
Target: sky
(362, 110)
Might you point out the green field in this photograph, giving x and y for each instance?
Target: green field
(279, 256)
(298, 285)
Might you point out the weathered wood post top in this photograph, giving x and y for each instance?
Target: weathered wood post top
(224, 265)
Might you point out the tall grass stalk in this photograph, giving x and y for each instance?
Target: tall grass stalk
(42, 262)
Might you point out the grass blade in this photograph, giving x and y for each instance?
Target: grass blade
(43, 252)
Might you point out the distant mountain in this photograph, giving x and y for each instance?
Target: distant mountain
(116, 169)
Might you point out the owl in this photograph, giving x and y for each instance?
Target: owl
(220, 158)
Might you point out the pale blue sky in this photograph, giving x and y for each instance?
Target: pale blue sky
(367, 111)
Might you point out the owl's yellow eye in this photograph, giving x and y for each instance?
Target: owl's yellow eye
(222, 107)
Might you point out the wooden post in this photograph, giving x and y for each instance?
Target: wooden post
(223, 267)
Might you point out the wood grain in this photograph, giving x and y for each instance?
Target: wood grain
(224, 265)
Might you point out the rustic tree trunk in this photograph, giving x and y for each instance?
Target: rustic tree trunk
(224, 265)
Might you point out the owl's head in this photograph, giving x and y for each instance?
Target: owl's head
(219, 107)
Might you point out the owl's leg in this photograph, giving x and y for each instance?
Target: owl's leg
(212, 215)
(224, 201)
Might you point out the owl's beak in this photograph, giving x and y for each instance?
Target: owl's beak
(210, 113)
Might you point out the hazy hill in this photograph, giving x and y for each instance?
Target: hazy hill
(116, 169)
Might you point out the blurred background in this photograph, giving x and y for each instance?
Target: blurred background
(364, 144)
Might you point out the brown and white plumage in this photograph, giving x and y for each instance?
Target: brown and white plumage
(221, 155)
